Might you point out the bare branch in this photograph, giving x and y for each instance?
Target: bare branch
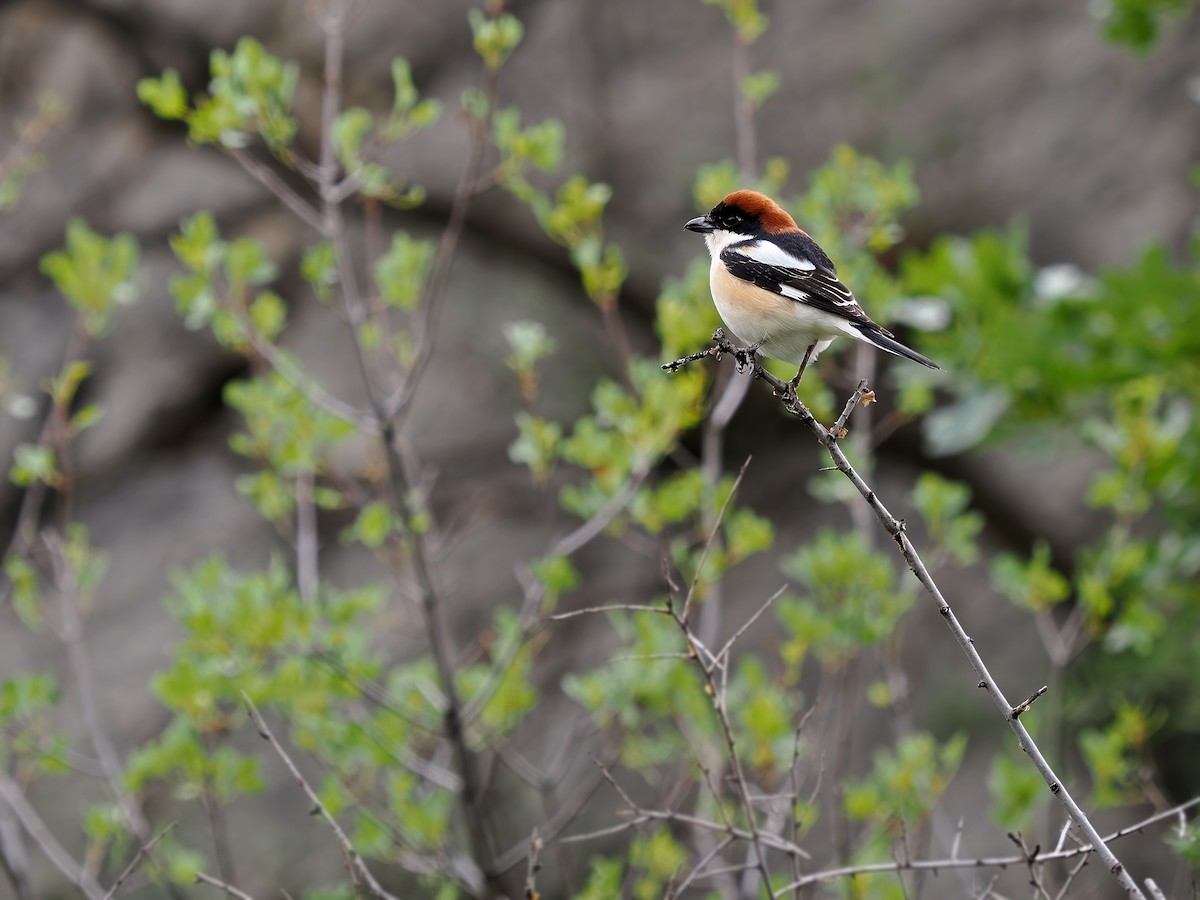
(531, 870)
(268, 178)
(716, 525)
(895, 529)
(723, 653)
(12, 794)
(615, 607)
(229, 889)
(358, 864)
(307, 571)
(142, 853)
(987, 862)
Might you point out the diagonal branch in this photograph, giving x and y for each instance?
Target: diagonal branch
(12, 795)
(988, 862)
(358, 864)
(895, 529)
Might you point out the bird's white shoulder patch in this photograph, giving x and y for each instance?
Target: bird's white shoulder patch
(774, 255)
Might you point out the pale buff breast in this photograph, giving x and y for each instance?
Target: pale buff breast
(786, 326)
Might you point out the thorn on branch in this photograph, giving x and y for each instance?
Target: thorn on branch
(1022, 707)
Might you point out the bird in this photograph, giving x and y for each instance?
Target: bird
(777, 290)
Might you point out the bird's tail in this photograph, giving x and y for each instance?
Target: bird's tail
(884, 341)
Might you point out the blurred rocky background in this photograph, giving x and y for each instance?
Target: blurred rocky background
(1008, 109)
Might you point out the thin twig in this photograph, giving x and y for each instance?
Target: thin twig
(531, 870)
(268, 178)
(723, 653)
(895, 528)
(307, 570)
(642, 816)
(431, 302)
(12, 794)
(359, 864)
(142, 853)
(229, 889)
(712, 533)
(1064, 891)
(615, 607)
(984, 862)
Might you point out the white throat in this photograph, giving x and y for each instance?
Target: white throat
(720, 239)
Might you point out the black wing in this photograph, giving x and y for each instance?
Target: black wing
(798, 270)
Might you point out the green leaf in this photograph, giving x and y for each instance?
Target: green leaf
(528, 343)
(744, 16)
(64, 386)
(943, 506)
(1034, 585)
(33, 462)
(557, 576)
(537, 445)
(760, 87)
(268, 313)
(26, 591)
(408, 113)
(319, 268)
(402, 271)
(746, 533)
(94, 273)
(374, 524)
(1015, 788)
(165, 95)
(271, 495)
(495, 38)
(246, 262)
(350, 129)
(86, 417)
(198, 245)
(1136, 23)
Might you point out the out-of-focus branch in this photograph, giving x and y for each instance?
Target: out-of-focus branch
(641, 816)
(307, 571)
(984, 862)
(144, 851)
(431, 302)
(229, 889)
(829, 439)
(268, 178)
(70, 629)
(358, 863)
(12, 795)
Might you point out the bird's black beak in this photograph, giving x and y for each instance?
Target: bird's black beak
(700, 224)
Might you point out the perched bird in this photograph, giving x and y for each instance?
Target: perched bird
(776, 289)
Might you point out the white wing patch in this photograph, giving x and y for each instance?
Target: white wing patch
(788, 291)
(773, 255)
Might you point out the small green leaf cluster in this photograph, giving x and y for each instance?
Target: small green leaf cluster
(744, 16)
(96, 274)
(495, 36)
(1138, 23)
(1117, 754)
(28, 743)
(904, 786)
(217, 292)
(250, 91)
(853, 598)
(357, 138)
